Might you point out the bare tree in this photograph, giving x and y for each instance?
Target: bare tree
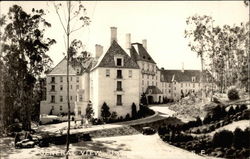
(74, 15)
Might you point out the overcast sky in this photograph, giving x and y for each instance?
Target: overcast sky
(162, 23)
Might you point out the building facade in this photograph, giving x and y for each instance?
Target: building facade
(117, 77)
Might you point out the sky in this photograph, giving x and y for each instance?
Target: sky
(162, 23)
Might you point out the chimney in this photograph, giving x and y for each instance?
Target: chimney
(182, 69)
(128, 41)
(144, 43)
(98, 50)
(113, 34)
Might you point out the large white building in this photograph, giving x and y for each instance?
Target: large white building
(118, 77)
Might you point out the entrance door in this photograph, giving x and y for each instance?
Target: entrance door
(150, 100)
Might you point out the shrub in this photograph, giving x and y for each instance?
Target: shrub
(113, 117)
(143, 99)
(223, 138)
(233, 94)
(105, 113)
(207, 119)
(133, 111)
(231, 111)
(243, 107)
(238, 140)
(127, 117)
(89, 111)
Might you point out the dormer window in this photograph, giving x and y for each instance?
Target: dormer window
(193, 79)
(77, 70)
(119, 61)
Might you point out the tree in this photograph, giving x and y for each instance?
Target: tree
(73, 16)
(105, 113)
(197, 32)
(133, 111)
(89, 111)
(24, 48)
(143, 99)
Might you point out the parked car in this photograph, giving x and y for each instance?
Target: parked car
(46, 119)
(148, 131)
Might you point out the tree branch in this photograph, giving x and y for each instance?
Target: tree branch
(60, 18)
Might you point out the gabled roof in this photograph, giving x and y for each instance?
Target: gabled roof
(107, 60)
(179, 76)
(153, 90)
(139, 53)
(61, 68)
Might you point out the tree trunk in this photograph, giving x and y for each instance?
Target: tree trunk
(202, 90)
(68, 33)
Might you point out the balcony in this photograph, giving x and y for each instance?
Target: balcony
(119, 89)
(119, 77)
(52, 90)
(148, 72)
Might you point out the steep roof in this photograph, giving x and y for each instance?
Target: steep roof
(153, 90)
(61, 67)
(139, 53)
(107, 60)
(179, 76)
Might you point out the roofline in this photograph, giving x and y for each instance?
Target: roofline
(56, 65)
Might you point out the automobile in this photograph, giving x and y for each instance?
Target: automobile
(46, 119)
(148, 131)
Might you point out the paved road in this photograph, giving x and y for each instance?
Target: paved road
(162, 112)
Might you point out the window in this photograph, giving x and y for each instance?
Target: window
(142, 82)
(71, 78)
(130, 73)
(181, 85)
(71, 87)
(119, 86)
(193, 79)
(119, 100)
(61, 79)
(119, 62)
(169, 91)
(142, 75)
(71, 98)
(156, 77)
(152, 83)
(60, 108)
(53, 80)
(107, 72)
(156, 83)
(76, 98)
(52, 107)
(174, 88)
(52, 99)
(119, 74)
(78, 71)
(80, 98)
(61, 87)
(61, 98)
(147, 83)
(77, 86)
(77, 79)
(148, 76)
(53, 88)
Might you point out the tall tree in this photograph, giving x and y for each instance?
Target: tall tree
(197, 32)
(24, 50)
(73, 15)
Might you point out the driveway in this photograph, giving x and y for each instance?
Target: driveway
(123, 147)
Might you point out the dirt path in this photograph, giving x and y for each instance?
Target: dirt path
(123, 147)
